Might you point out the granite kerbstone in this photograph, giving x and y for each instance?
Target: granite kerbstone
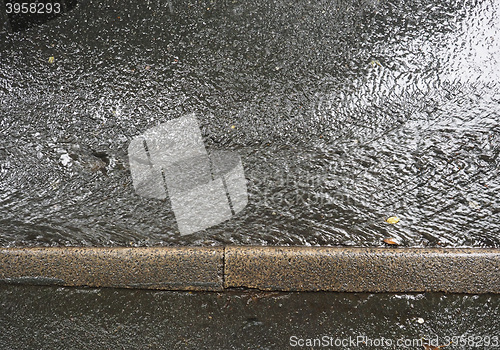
(172, 268)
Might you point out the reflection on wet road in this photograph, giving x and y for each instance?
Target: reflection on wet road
(344, 113)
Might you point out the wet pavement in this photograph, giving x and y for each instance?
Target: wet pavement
(344, 113)
(58, 318)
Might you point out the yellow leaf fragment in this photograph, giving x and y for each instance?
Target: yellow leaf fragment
(51, 59)
(474, 205)
(392, 220)
(390, 241)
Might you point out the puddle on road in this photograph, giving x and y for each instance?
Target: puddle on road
(344, 114)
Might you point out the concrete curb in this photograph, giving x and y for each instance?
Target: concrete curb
(363, 269)
(175, 268)
(265, 268)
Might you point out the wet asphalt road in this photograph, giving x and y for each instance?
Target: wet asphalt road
(344, 113)
(56, 318)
